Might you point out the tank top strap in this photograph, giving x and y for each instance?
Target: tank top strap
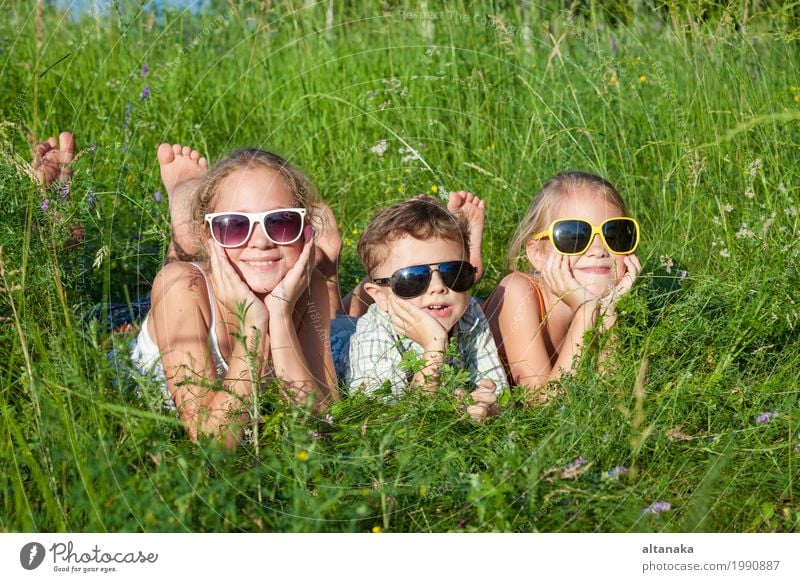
(213, 304)
(539, 294)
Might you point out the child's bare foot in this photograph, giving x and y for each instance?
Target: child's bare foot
(328, 240)
(182, 171)
(329, 244)
(51, 159)
(474, 210)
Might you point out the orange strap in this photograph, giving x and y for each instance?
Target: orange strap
(539, 296)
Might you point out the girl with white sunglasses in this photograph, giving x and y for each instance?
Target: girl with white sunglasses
(254, 308)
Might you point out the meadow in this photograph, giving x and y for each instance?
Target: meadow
(690, 109)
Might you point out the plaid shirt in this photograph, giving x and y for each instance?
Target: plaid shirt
(375, 351)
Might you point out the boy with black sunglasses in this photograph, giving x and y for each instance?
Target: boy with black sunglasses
(415, 256)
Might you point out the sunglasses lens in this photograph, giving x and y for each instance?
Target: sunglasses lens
(230, 229)
(572, 236)
(284, 227)
(621, 236)
(411, 282)
(457, 275)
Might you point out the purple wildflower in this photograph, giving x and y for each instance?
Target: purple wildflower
(145, 93)
(45, 204)
(91, 199)
(157, 195)
(658, 507)
(683, 276)
(766, 417)
(329, 418)
(64, 191)
(577, 463)
(314, 435)
(617, 472)
(145, 70)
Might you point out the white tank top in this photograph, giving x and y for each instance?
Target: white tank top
(146, 356)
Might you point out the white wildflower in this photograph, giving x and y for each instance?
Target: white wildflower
(411, 154)
(725, 253)
(750, 194)
(745, 232)
(380, 148)
(782, 188)
(728, 208)
(716, 220)
(754, 167)
(666, 262)
(792, 210)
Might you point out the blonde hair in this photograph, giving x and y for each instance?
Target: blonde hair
(421, 218)
(562, 184)
(304, 193)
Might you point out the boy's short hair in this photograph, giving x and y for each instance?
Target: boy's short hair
(422, 219)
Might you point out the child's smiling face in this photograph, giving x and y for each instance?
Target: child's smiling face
(260, 263)
(441, 302)
(598, 270)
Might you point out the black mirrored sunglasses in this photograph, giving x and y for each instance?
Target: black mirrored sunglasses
(413, 281)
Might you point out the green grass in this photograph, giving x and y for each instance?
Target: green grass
(692, 114)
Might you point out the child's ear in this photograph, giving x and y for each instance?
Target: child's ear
(378, 294)
(534, 250)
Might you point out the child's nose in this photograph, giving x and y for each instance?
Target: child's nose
(597, 248)
(437, 285)
(258, 238)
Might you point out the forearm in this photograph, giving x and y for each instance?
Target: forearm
(584, 319)
(223, 413)
(290, 365)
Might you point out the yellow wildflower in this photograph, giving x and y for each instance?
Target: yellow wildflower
(642, 79)
(434, 188)
(377, 529)
(302, 456)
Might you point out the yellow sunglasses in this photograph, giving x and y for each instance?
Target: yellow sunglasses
(573, 236)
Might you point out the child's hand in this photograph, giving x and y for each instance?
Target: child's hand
(485, 401)
(558, 276)
(417, 325)
(632, 269)
(281, 301)
(231, 290)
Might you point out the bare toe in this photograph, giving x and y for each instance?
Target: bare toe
(195, 155)
(165, 153)
(455, 201)
(66, 144)
(203, 162)
(177, 148)
(52, 142)
(186, 151)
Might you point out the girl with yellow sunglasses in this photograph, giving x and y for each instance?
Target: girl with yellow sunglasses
(580, 242)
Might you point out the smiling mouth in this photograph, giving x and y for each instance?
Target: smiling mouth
(439, 309)
(261, 264)
(596, 270)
